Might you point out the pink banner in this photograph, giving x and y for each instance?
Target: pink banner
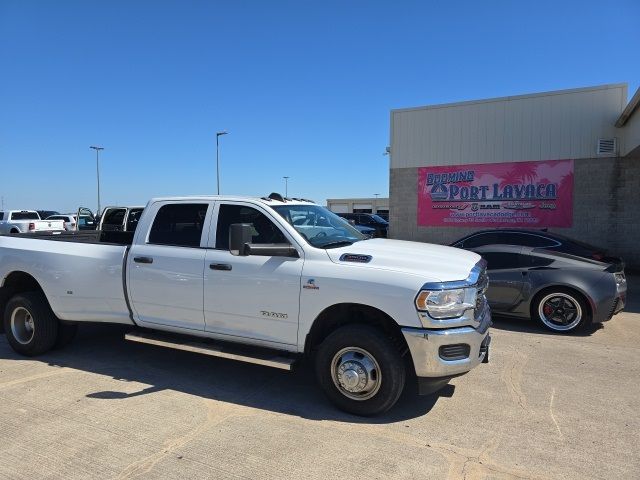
(516, 194)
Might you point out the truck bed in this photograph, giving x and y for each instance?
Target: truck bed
(81, 273)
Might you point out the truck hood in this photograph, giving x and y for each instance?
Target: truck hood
(429, 261)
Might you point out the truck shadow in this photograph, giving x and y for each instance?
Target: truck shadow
(103, 350)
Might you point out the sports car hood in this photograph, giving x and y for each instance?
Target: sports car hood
(434, 262)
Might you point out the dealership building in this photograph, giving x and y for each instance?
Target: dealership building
(566, 160)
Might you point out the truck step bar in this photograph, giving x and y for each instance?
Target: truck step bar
(267, 359)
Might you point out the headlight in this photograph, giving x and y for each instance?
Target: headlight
(620, 280)
(443, 304)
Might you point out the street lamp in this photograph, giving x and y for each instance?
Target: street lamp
(375, 202)
(218, 135)
(97, 149)
(286, 186)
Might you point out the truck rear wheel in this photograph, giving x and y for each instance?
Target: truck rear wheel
(360, 370)
(30, 325)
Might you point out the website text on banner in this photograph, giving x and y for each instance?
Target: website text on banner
(515, 194)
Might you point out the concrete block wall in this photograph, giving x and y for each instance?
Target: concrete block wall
(606, 208)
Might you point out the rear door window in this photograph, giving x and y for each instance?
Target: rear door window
(113, 219)
(179, 225)
(25, 216)
(133, 218)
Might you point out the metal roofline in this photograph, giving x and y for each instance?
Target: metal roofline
(515, 97)
(629, 110)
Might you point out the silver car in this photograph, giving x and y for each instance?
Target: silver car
(561, 291)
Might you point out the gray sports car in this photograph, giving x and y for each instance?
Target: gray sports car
(563, 292)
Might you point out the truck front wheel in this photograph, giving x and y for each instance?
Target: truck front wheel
(360, 370)
(30, 325)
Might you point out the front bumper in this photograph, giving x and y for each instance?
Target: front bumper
(427, 354)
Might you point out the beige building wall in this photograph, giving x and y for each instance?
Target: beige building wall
(544, 126)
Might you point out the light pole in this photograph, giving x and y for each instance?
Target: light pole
(97, 149)
(286, 186)
(375, 202)
(218, 134)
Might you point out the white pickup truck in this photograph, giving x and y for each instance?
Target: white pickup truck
(23, 221)
(265, 280)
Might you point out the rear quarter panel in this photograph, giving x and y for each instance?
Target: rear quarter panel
(82, 281)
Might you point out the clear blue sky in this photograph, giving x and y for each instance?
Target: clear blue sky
(304, 88)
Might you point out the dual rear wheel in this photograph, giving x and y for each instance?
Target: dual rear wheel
(31, 326)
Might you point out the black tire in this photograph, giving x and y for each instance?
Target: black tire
(567, 300)
(42, 336)
(66, 333)
(389, 381)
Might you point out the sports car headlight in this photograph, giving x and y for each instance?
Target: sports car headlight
(443, 304)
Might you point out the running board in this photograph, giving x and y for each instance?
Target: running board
(214, 350)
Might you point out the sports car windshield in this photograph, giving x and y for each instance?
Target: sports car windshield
(319, 226)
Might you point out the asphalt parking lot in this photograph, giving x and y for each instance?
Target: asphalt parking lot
(546, 406)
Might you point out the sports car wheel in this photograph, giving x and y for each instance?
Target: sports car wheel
(561, 310)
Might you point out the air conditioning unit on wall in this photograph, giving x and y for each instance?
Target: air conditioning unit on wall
(607, 146)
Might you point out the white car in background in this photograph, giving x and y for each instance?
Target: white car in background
(27, 221)
(69, 220)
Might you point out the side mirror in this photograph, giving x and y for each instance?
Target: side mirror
(240, 234)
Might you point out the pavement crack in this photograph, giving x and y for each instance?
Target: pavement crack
(553, 417)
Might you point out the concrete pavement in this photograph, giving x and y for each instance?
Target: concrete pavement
(546, 406)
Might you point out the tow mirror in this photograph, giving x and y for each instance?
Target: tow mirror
(240, 236)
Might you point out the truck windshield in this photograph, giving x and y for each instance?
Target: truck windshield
(25, 216)
(319, 226)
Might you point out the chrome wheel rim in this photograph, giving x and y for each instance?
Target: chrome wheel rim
(22, 325)
(356, 373)
(560, 312)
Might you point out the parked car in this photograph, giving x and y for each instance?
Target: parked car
(275, 279)
(25, 221)
(370, 220)
(563, 292)
(69, 220)
(120, 219)
(534, 238)
(366, 231)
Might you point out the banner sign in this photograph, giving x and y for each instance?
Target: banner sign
(516, 194)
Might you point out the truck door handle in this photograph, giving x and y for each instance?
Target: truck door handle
(220, 266)
(143, 259)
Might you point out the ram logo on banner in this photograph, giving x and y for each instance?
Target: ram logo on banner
(516, 194)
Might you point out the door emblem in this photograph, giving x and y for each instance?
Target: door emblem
(311, 285)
